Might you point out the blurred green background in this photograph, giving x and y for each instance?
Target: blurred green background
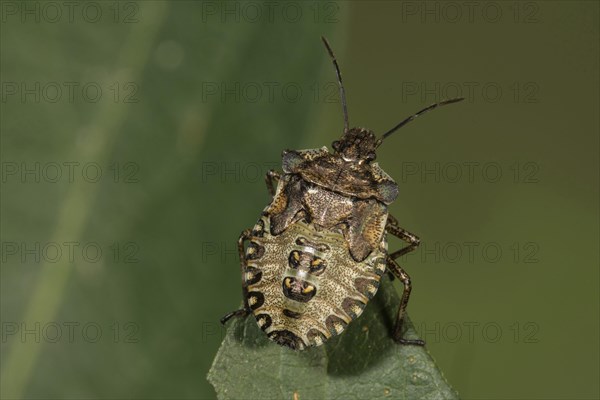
(134, 137)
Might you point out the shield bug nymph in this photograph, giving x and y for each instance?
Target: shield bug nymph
(317, 254)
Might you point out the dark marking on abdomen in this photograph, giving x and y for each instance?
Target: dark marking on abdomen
(353, 307)
(254, 251)
(291, 314)
(255, 300)
(263, 320)
(298, 290)
(302, 241)
(287, 338)
(307, 261)
(366, 287)
(252, 275)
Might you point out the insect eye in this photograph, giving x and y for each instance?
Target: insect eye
(371, 156)
(336, 145)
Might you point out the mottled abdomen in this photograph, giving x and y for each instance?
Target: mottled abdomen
(303, 285)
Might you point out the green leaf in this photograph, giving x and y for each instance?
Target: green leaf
(362, 363)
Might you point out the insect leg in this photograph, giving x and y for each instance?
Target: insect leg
(242, 312)
(405, 279)
(237, 313)
(413, 240)
(271, 176)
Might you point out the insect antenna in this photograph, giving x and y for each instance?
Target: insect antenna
(423, 111)
(339, 77)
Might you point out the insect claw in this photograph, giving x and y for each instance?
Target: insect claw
(237, 313)
(410, 342)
